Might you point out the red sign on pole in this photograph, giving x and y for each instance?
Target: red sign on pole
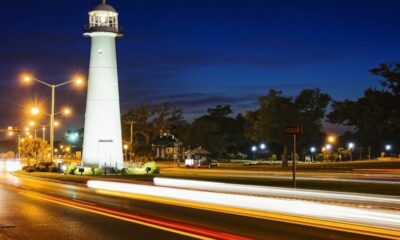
(294, 129)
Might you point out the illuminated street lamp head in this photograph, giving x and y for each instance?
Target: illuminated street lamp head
(125, 146)
(388, 147)
(27, 129)
(263, 146)
(26, 77)
(313, 149)
(253, 148)
(331, 139)
(351, 145)
(328, 147)
(31, 123)
(56, 123)
(35, 111)
(67, 111)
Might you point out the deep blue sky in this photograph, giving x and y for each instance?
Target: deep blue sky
(199, 53)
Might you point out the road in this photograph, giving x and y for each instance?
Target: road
(37, 209)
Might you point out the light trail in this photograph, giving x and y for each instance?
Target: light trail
(168, 226)
(268, 191)
(375, 223)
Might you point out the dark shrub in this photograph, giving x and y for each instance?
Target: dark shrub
(53, 169)
(30, 169)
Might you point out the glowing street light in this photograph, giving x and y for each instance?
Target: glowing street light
(126, 147)
(313, 149)
(31, 123)
(331, 139)
(254, 149)
(66, 111)
(351, 147)
(35, 111)
(388, 147)
(29, 78)
(263, 146)
(328, 147)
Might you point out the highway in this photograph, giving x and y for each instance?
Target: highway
(40, 209)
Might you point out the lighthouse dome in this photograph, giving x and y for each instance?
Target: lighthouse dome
(103, 6)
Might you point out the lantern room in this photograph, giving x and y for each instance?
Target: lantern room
(103, 18)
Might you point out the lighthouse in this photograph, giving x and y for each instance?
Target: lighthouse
(102, 143)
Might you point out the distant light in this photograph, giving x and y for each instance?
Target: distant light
(67, 111)
(125, 146)
(31, 123)
(351, 145)
(262, 146)
(331, 139)
(388, 147)
(253, 148)
(73, 136)
(35, 111)
(26, 77)
(313, 149)
(328, 146)
(56, 123)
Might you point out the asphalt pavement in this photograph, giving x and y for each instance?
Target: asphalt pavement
(40, 209)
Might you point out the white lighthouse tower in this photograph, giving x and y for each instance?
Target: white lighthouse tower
(102, 143)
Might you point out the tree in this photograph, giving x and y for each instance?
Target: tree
(218, 131)
(374, 117)
(148, 122)
(35, 149)
(276, 112)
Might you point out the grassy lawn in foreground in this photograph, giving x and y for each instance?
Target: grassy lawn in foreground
(329, 185)
(328, 166)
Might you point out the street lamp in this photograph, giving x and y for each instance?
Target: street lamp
(331, 139)
(126, 147)
(351, 147)
(263, 146)
(254, 149)
(388, 148)
(29, 78)
(312, 150)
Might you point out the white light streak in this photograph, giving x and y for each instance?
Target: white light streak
(388, 219)
(269, 191)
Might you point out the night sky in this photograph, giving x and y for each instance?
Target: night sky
(196, 54)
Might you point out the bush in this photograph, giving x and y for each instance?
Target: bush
(147, 168)
(53, 169)
(43, 168)
(70, 168)
(29, 169)
(97, 171)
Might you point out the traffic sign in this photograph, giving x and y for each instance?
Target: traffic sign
(294, 129)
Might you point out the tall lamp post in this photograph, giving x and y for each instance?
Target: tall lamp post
(351, 147)
(28, 78)
(254, 150)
